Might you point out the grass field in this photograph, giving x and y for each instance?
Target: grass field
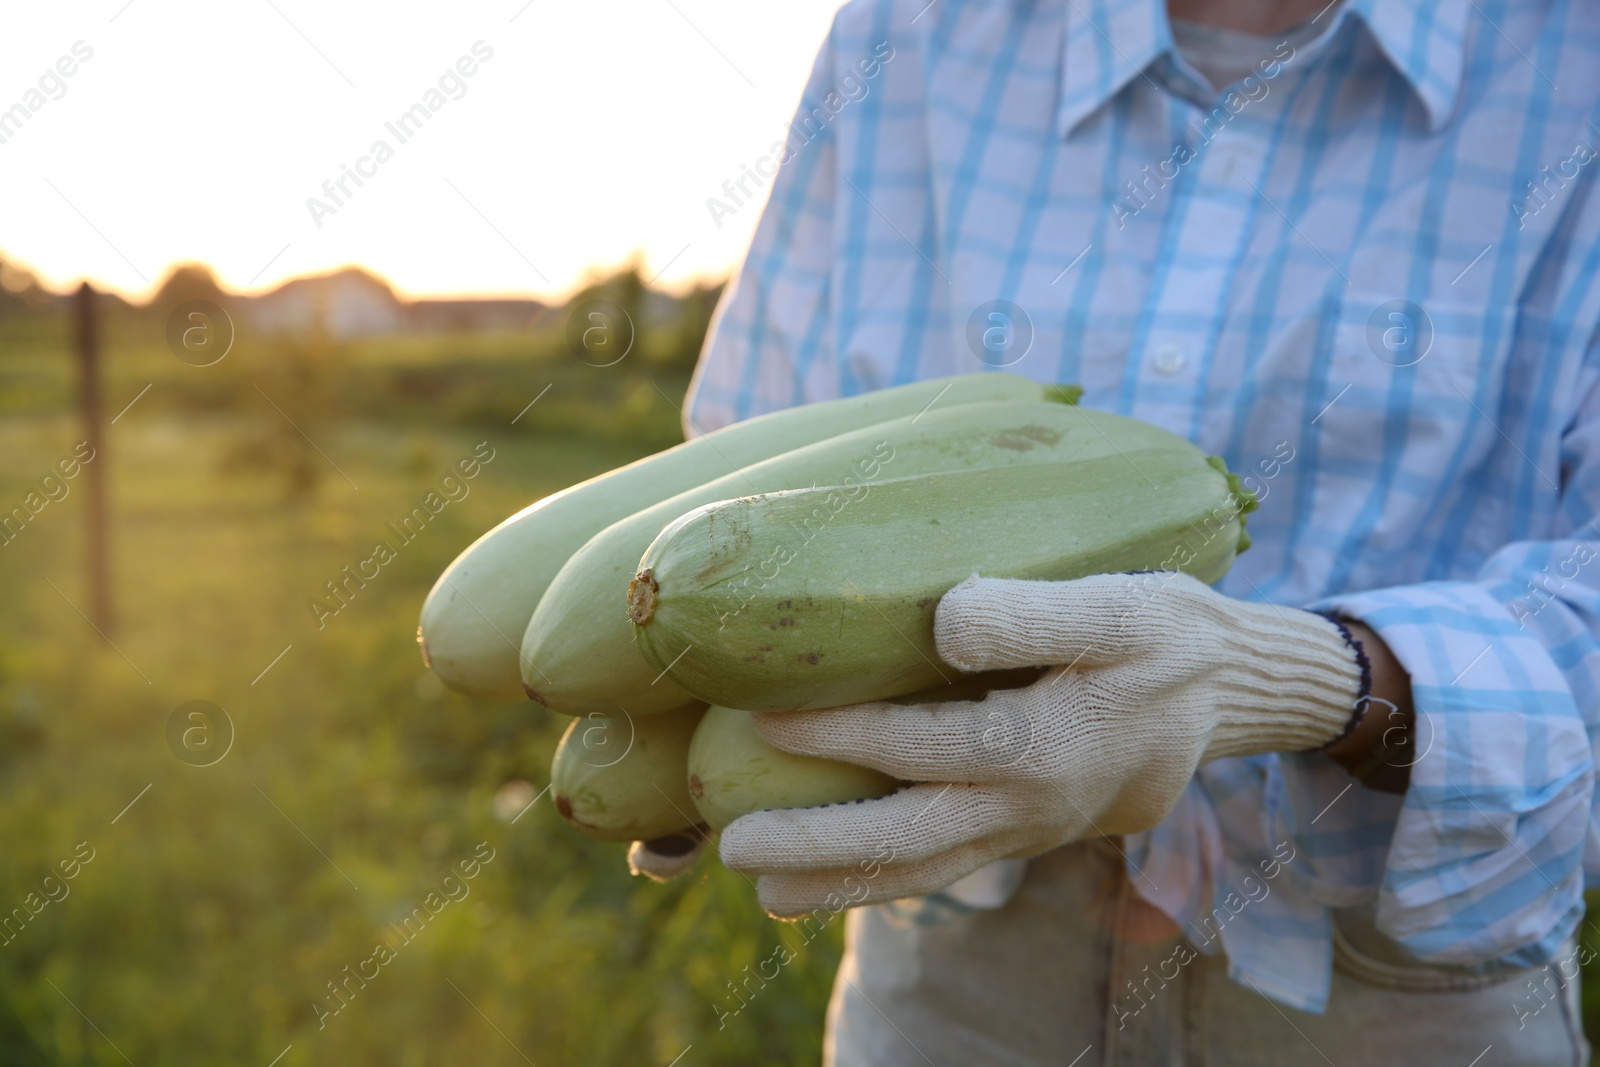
(214, 912)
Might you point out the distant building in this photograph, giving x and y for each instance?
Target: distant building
(350, 302)
(353, 303)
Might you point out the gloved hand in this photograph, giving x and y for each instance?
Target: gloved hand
(1156, 673)
(664, 858)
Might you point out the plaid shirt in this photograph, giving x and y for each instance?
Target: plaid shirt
(1367, 277)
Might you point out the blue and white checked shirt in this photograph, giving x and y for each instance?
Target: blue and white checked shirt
(1368, 276)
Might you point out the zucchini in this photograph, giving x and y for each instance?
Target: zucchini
(621, 779)
(841, 607)
(733, 771)
(477, 611)
(579, 653)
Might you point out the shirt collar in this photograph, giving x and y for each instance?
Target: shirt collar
(1109, 43)
(1425, 40)
(1106, 46)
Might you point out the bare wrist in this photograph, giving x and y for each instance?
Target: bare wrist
(1378, 749)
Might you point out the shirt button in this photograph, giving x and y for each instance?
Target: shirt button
(1169, 359)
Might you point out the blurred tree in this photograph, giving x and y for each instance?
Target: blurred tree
(30, 315)
(689, 326)
(187, 281)
(18, 290)
(670, 329)
(625, 287)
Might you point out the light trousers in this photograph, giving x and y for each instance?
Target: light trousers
(1046, 980)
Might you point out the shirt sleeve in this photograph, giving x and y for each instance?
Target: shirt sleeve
(770, 345)
(1493, 838)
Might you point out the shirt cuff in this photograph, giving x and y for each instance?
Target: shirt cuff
(1486, 859)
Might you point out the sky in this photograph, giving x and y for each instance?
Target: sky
(168, 131)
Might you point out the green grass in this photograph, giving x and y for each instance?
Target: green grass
(217, 908)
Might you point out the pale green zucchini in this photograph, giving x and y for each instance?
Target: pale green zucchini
(579, 653)
(733, 772)
(842, 606)
(622, 779)
(474, 617)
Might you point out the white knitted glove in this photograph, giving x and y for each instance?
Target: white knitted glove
(1160, 674)
(665, 858)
